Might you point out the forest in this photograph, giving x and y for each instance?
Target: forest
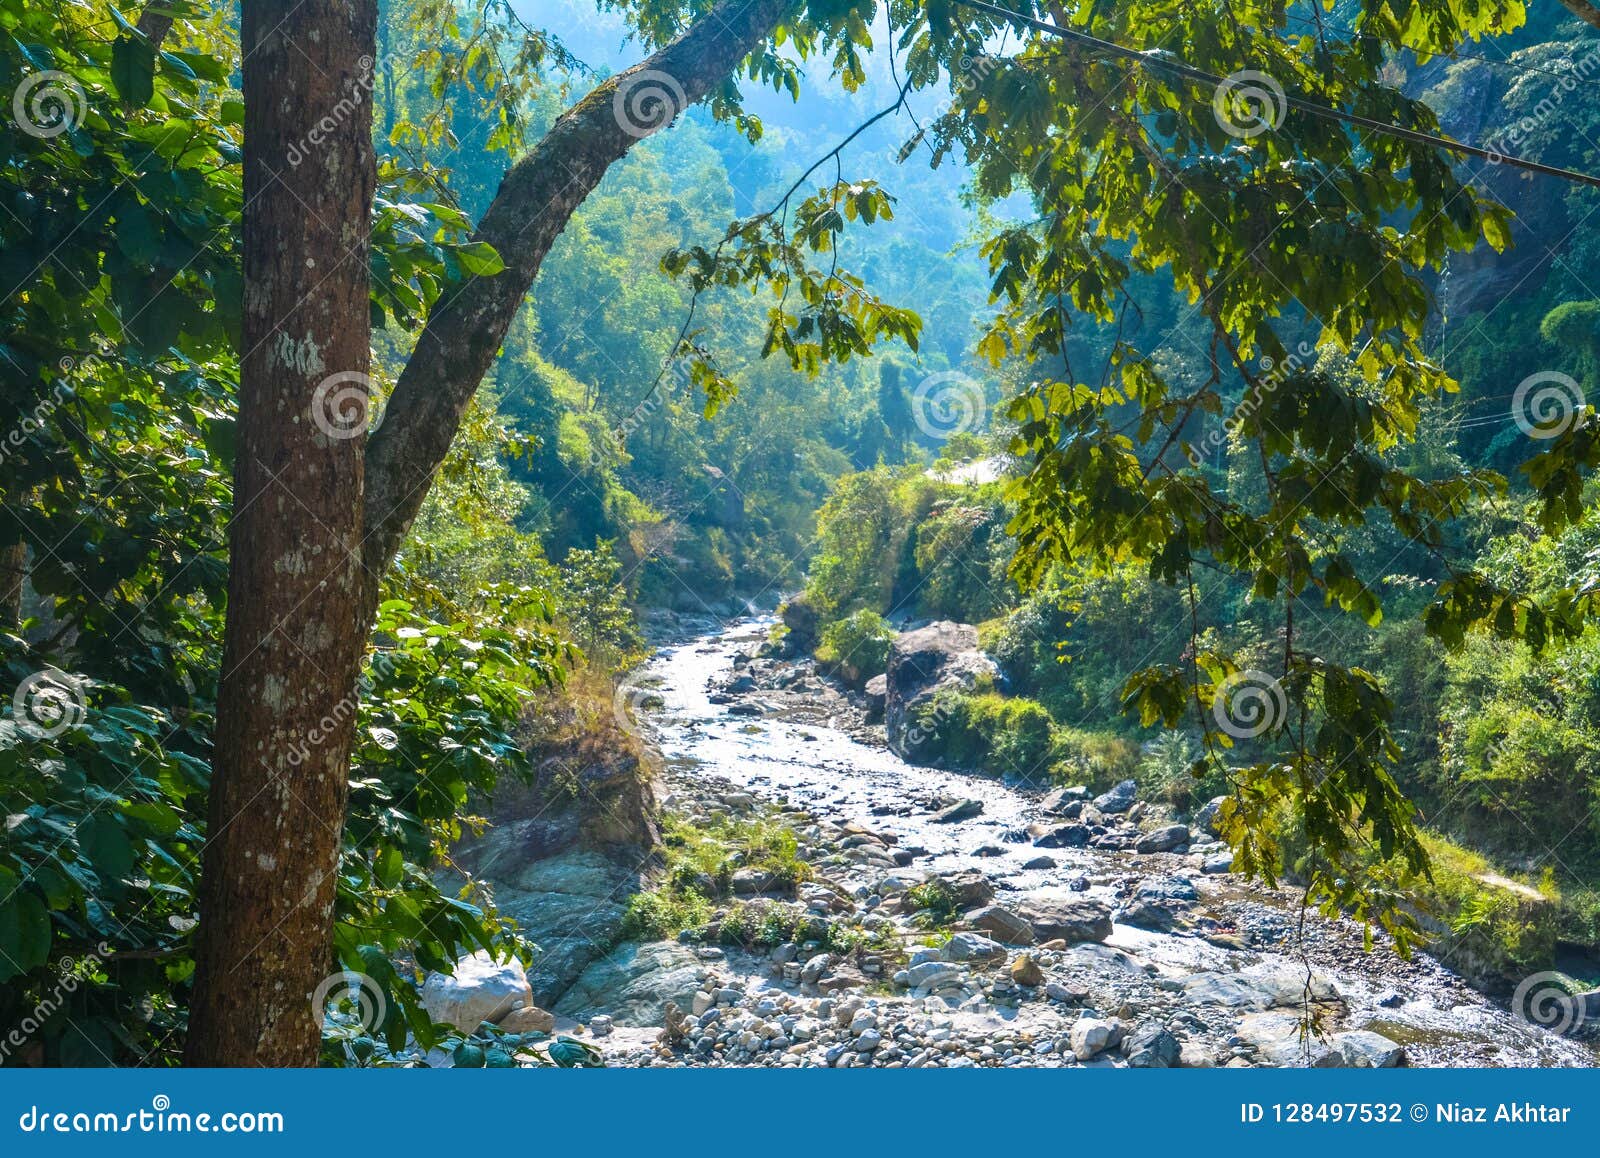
(396, 396)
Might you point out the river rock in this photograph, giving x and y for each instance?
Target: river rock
(1163, 839)
(1091, 1036)
(965, 810)
(1221, 862)
(1066, 802)
(1119, 799)
(748, 880)
(1003, 925)
(633, 983)
(1063, 836)
(921, 662)
(1151, 1046)
(1053, 914)
(1040, 862)
(1205, 818)
(970, 889)
(877, 695)
(481, 989)
(528, 1019)
(972, 947)
(1266, 987)
(1025, 970)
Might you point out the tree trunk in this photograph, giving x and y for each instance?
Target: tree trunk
(296, 625)
(13, 572)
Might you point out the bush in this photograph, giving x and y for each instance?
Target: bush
(857, 647)
(987, 732)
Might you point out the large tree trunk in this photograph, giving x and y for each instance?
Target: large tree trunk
(13, 573)
(296, 625)
(533, 205)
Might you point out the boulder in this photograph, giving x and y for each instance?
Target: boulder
(481, 989)
(1267, 987)
(877, 695)
(1280, 1040)
(1151, 1046)
(1091, 1036)
(634, 983)
(1119, 799)
(1062, 836)
(1054, 914)
(1163, 839)
(1205, 818)
(965, 810)
(970, 889)
(747, 881)
(528, 1019)
(922, 662)
(1065, 801)
(1003, 925)
(1040, 862)
(1025, 970)
(972, 947)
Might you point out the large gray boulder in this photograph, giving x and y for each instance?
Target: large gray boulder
(633, 983)
(922, 662)
(1054, 915)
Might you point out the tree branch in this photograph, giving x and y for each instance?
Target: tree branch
(536, 199)
(1583, 10)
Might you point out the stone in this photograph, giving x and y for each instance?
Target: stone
(1205, 817)
(1263, 988)
(1220, 862)
(921, 662)
(1163, 839)
(1091, 1036)
(1003, 925)
(965, 810)
(1119, 799)
(633, 983)
(877, 695)
(1053, 914)
(528, 1019)
(1040, 862)
(1144, 914)
(969, 889)
(972, 947)
(1151, 1046)
(747, 881)
(1063, 836)
(1064, 801)
(1367, 1049)
(601, 1025)
(1025, 971)
(933, 972)
(481, 989)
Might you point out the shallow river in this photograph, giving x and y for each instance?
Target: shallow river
(838, 778)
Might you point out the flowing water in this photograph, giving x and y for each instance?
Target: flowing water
(839, 778)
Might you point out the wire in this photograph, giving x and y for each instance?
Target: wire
(1326, 112)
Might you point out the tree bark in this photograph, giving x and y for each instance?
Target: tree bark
(296, 625)
(13, 573)
(1583, 10)
(535, 200)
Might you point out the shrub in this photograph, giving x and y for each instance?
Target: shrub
(857, 647)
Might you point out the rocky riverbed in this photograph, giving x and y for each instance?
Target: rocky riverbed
(1081, 929)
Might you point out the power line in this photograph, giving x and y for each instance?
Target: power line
(1326, 112)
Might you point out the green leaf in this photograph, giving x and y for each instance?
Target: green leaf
(133, 70)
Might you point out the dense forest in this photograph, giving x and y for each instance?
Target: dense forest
(382, 383)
